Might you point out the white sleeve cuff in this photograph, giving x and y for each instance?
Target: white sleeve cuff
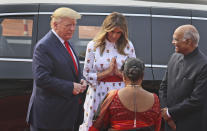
(168, 114)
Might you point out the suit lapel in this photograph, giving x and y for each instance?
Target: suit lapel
(63, 51)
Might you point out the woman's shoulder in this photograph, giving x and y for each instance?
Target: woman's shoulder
(130, 44)
(109, 97)
(151, 96)
(156, 100)
(155, 96)
(129, 47)
(111, 94)
(91, 45)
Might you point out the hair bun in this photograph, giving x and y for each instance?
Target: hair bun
(133, 68)
(133, 72)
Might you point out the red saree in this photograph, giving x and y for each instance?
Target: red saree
(114, 115)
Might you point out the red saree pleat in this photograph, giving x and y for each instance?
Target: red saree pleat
(103, 112)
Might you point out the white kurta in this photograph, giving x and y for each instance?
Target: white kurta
(94, 63)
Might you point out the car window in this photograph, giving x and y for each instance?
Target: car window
(85, 37)
(87, 28)
(15, 37)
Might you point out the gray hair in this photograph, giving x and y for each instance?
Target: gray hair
(133, 68)
(191, 33)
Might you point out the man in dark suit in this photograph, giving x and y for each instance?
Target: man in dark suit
(183, 88)
(55, 104)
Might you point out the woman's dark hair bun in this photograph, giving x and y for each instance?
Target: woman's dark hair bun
(133, 68)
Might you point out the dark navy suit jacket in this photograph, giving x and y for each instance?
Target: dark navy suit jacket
(52, 104)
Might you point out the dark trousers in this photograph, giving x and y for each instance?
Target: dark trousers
(32, 128)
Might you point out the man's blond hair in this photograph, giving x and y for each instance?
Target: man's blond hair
(64, 12)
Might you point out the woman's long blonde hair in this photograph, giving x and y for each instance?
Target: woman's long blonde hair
(112, 21)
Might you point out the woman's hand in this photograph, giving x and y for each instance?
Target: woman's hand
(117, 72)
(108, 72)
(111, 69)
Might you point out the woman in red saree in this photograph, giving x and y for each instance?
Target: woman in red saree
(130, 108)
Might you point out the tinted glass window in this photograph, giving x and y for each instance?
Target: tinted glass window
(87, 28)
(15, 37)
(86, 34)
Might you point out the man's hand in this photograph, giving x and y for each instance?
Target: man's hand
(168, 119)
(172, 124)
(83, 85)
(164, 114)
(77, 88)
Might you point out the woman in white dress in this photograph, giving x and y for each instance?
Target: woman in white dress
(105, 55)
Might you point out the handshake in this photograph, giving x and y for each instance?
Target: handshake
(79, 87)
